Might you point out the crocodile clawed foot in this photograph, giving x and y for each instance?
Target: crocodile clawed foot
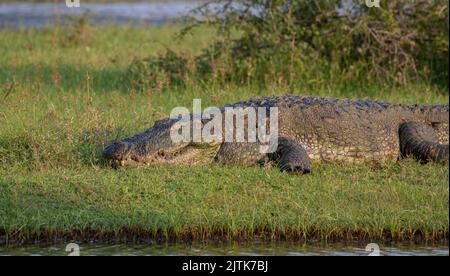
(295, 169)
(292, 156)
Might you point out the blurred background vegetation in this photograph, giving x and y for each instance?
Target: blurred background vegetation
(292, 43)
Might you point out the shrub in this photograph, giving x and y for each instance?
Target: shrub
(305, 42)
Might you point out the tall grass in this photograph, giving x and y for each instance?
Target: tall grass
(61, 103)
(307, 43)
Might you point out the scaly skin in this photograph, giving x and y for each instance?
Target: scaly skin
(321, 129)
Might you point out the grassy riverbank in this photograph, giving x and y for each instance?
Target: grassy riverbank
(62, 101)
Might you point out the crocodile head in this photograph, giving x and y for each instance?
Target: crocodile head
(155, 146)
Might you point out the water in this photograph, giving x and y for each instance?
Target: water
(19, 14)
(37, 15)
(240, 249)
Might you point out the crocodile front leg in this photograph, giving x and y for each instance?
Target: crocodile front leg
(421, 141)
(292, 156)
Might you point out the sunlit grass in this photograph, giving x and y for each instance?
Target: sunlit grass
(59, 107)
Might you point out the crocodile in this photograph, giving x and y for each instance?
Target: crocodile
(309, 128)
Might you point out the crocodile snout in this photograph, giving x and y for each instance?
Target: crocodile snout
(117, 151)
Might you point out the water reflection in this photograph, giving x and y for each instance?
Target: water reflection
(241, 249)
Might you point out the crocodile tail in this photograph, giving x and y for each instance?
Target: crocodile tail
(436, 113)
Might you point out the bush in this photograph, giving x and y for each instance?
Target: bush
(155, 73)
(313, 43)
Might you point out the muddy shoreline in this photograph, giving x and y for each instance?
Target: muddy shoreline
(144, 237)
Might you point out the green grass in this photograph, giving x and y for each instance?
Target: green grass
(61, 104)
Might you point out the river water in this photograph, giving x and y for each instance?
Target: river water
(231, 249)
(36, 15)
(25, 15)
